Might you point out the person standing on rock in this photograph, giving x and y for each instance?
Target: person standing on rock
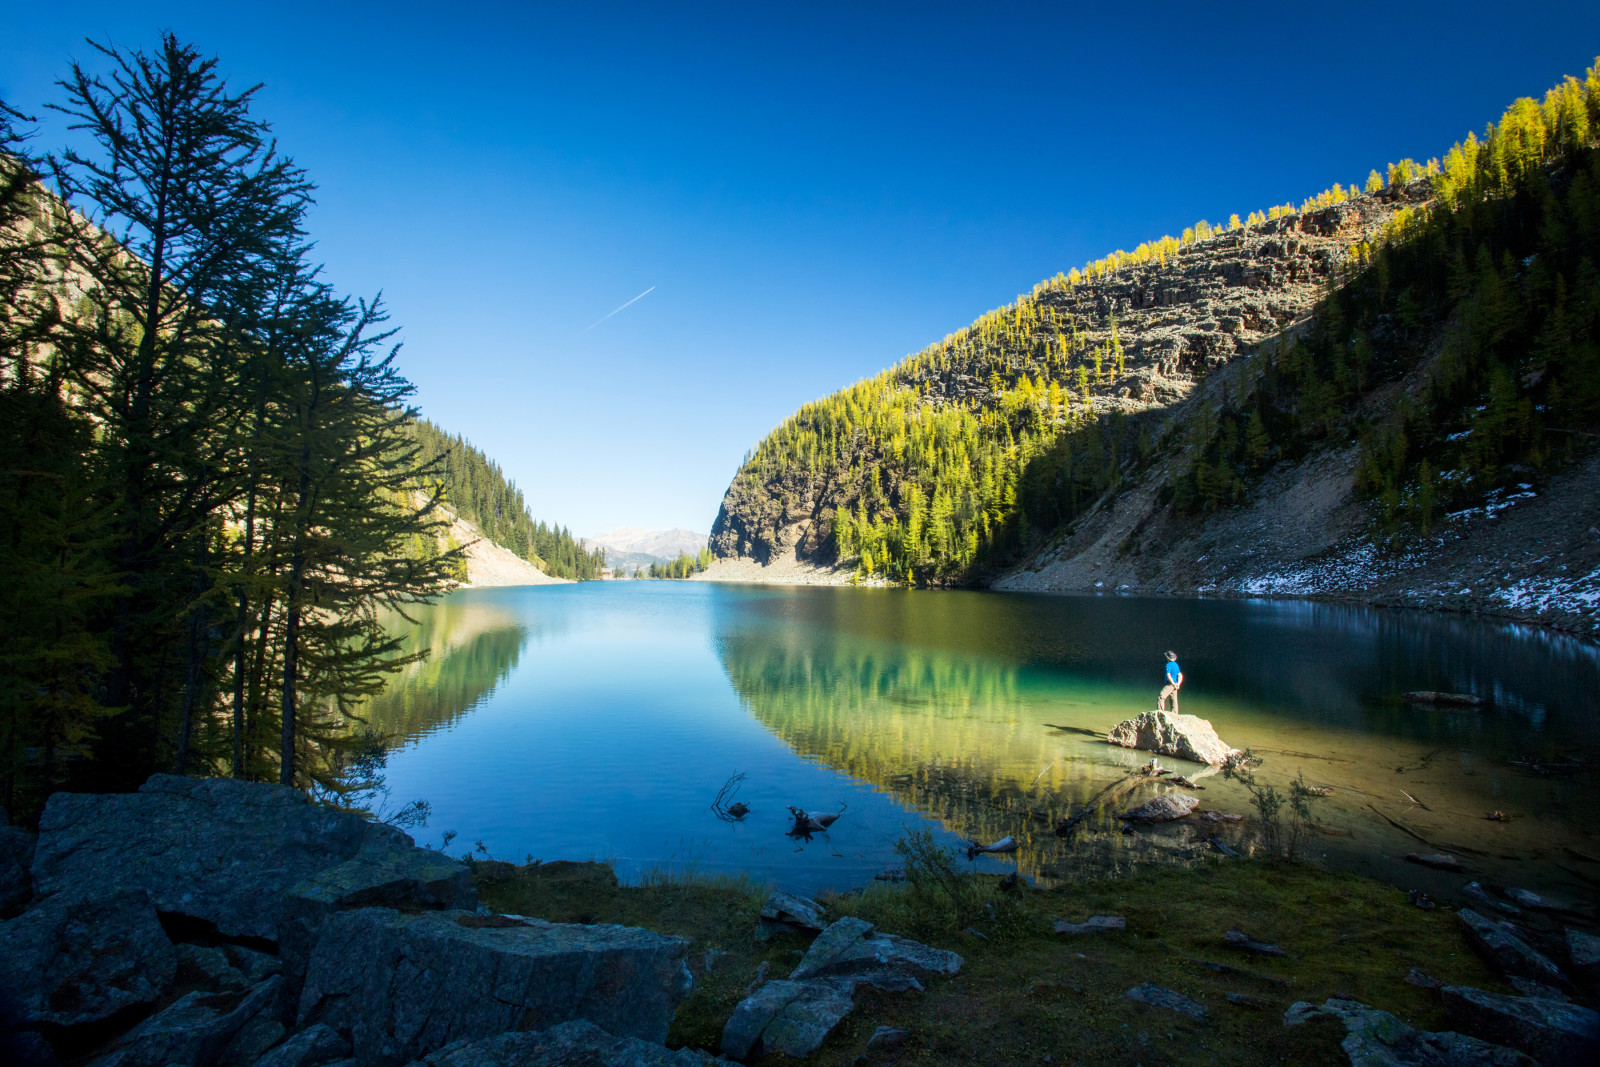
(1174, 683)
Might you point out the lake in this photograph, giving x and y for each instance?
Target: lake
(600, 720)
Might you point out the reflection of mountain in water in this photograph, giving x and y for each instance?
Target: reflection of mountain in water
(472, 648)
(937, 731)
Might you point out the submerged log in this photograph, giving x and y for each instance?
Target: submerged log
(1454, 700)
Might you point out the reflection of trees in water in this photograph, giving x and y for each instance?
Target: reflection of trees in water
(471, 648)
(930, 728)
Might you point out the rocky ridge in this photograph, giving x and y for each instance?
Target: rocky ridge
(1215, 301)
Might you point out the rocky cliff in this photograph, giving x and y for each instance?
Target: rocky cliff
(1144, 335)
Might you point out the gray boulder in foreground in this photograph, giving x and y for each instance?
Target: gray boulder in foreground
(229, 852)
(1375, 1038)
(1170, 734)
(193, 1030)
(796, 1015)
(1551, 1031)
(77, 959)
(784, 913)
(1503, 944)
(574, 1044)
(403, 985)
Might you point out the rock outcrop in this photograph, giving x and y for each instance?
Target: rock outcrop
(795, 1015)
(305, 937)
(1171, 734)
(403, 985)
(78, 958)
(574, 1044)
(1554, 1032)
(1503, 945)
(233, 853)
(16, 856)
(1375, 1038)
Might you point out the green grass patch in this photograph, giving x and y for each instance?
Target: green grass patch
(1026, 992)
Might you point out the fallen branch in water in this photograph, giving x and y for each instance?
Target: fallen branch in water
(1065, 827)
(1415, 801)
(1040, 775)
(721, 808)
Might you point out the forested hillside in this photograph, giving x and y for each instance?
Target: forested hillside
(477, 490)
(1441, 323)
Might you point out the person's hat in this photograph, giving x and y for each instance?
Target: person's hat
(1172, 655)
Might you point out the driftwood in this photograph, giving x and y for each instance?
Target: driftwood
(730, 812)
(806, 824)
(1005, 844)
(1065, 827)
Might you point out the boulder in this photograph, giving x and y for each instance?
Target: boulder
(404, 985)
(1551, 1031)
(208, 967)
(1502, 944)
(572, 1044)
(1245, 943)
(850, 947)
(1164, 808)
(1584, 952)
(1537, 901)
(193, 1030)
(805, 1022)
(228, 852)
(786, 914)
(1096, 924)
(1185, 736)
(253, 1040)
(75, 959)
(788, 1016)
(1375, 1038)
(1154, 995)
(16, 855)
(311, 1047)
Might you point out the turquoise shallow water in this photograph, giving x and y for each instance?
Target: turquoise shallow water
(599, 721)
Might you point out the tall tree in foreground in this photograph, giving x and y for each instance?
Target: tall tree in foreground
(180, 205)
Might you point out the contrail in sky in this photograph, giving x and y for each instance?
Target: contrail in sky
(641, 296)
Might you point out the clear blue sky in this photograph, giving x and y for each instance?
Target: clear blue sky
(814, 189)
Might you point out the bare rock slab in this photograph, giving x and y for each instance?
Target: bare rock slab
(74, 959)
(1156, 996)
(312, 1047)
(851, 947)
(405, 985)
(1504, 947)
(572, 1044)
(193, 1030)
(1184, 736)
(784, 913)
(1164, 808)
(1551, 1031)
(1375, 1038)
(228, 852)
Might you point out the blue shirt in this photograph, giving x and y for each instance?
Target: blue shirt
(1173, 671)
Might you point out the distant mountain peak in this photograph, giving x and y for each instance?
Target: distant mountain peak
(663, 544)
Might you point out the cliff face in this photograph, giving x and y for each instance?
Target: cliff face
(1134, 340)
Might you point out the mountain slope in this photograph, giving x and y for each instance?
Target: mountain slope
(1331, 400)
